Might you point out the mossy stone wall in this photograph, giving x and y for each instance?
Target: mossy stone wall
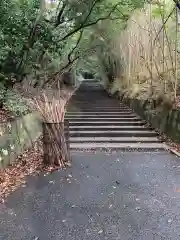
(17, 136)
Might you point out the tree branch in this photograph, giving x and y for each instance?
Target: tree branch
(74, 48)
(59, 20)
(164, 23)
(67, 65)
(83, 25)
(77, 57)
(177, 3)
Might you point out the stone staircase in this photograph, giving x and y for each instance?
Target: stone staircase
(97, 121)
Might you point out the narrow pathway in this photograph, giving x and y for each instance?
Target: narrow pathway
(116, 195)
(98, 121)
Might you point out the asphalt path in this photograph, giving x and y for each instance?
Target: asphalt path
(113, 196)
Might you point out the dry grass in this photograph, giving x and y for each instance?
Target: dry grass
(148, 50)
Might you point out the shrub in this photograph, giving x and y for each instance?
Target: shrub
(15, 104)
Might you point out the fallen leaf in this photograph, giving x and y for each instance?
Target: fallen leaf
(52, 182)
(28, 163)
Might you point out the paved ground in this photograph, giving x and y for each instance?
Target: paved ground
(121, 196)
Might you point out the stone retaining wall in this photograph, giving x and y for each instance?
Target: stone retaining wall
(18, 135)
(165, 120)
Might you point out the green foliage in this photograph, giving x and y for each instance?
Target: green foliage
(14, 103)
(34, 38)
(104, 60)
(2, 92)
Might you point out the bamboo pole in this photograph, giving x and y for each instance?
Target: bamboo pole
(163, 19)
(129, 58)
(175, 65)
(151, 44)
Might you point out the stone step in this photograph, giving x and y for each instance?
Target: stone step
(104, 123)
(114, 139)
(111, 133)
(104, 107)
(102, 104)
(109, 127)
(102, 110)
(77, 108)
(98, 113)
(96, 102)
(99, 105)
(121, 146)
(101, 116)
(98, 119)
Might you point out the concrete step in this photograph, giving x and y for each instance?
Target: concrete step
(103, 122)
(114, 139)
(121, 146)
(98, 113)
(101, 116)
(101, 110)
(110, 127)
(90, 104)
(106, 123)
(112, 133)
(96, 102)
(98, 119)
(114, 108)
(89, 107)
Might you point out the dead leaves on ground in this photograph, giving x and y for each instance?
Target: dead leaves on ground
(169, 141)
(29, 163)
(5, 116)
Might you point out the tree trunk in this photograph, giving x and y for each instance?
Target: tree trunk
(56, 143)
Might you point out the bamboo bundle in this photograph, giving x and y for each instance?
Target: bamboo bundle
(56, 149)
(50, 111)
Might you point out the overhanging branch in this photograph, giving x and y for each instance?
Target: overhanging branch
(164, 23)
(177, 3)
(74, 48)
(68, 65)
(85, 25)
(59, 16)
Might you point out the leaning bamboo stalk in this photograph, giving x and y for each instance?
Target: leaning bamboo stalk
(162, 49)
(175, 64)
(163, 19)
